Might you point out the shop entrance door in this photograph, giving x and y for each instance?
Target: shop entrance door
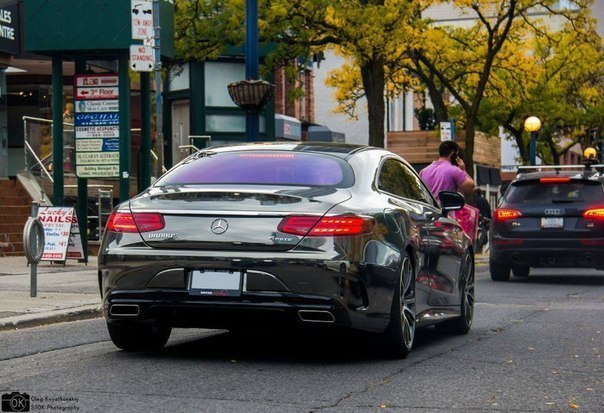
(180, 129)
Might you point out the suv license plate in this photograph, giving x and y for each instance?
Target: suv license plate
(215, 283)
(552, 222)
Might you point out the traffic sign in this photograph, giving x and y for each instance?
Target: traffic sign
(142, 19)
(142, 58)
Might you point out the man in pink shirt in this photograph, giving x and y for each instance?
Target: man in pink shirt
(448, 173)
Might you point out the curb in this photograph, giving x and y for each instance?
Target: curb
(51, 317)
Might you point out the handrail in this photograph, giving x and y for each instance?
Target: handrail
(154, 155)
(38, 161)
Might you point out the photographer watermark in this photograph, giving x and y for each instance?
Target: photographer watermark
(23, 402)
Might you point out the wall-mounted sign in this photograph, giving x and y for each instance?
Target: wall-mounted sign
(87, 106)
(445, 131)
(97, 93)
(97, 128)
(10, 36)
(142, 19)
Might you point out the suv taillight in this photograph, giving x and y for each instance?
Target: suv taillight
(554, 180)
(326, 226)
(594, 213)
(138, 222)
(503, 214)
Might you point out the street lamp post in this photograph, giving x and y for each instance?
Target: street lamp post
(252, 93)
(252, 118)
(532, 125)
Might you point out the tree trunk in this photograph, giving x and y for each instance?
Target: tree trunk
(469, 145)
(374, 81)
(441, 113)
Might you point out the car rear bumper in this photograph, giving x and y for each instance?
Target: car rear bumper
(181, 309)
(548, 253)
(282, 291)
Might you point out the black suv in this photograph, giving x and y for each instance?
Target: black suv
(549, 218)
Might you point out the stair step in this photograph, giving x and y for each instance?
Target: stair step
(11, 227)
(23, 210)
(14, 200)
(14, 248)
(12, 237)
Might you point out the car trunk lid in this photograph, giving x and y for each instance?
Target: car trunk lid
(231, 217)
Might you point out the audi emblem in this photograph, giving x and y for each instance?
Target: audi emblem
(219, 226)
(552, 211)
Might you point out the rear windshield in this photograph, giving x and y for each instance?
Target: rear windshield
(264, 168)
(573, 191)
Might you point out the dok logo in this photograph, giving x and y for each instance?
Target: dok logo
(15, 402)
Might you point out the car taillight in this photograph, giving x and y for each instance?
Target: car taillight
(503, 214)
(326, 226)
(554, 180)
(594, 213)
(138, 222)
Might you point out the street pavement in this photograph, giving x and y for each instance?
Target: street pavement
(64, 292)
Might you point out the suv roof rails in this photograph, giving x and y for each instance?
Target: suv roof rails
(541, 168)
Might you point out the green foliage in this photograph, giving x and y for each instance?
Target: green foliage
(564, 88)
(425, 118)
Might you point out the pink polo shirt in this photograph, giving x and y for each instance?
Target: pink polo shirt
(441, 175)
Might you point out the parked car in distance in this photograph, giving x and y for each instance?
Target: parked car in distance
(299, 234)
(553, 217)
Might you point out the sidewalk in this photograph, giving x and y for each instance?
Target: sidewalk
(64, 293)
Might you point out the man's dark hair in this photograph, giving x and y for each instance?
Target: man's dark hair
(478, 191)
(446, 148)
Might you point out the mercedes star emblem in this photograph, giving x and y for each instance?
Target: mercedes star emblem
(219, 226)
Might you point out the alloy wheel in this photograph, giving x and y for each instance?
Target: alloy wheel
(468, 296)
(407, 298)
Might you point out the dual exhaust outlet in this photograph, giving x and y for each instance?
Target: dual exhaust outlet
(125, 310)
(316, 316)
(309, 316)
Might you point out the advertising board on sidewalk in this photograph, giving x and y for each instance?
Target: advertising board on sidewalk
(61, 234)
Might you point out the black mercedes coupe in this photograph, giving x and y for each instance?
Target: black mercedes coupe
(298, 234)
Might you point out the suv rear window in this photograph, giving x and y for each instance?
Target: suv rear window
(534, 191)
(264, 168)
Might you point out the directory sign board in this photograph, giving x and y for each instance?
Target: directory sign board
(97, 130)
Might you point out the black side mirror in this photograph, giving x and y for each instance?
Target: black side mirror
(450, 201)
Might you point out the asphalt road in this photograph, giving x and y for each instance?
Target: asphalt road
(536, 346)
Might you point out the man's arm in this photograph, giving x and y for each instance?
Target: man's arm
(467, 186)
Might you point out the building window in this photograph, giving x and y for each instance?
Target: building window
(229, 123)
(217, 76)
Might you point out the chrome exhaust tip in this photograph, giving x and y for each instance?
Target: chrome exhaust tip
(316, 316)
(124, 310)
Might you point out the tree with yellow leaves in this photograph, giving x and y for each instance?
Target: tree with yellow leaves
(565, 89)
(372, 34)
(465, 59)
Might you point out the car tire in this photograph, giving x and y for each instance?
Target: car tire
(400, 334)
(138, 336)
(521, 271)
(463, 323)
(499, 271)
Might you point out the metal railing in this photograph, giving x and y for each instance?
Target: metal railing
(40, 168)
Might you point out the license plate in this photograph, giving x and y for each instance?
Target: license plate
(552, 222)
(215, 283)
